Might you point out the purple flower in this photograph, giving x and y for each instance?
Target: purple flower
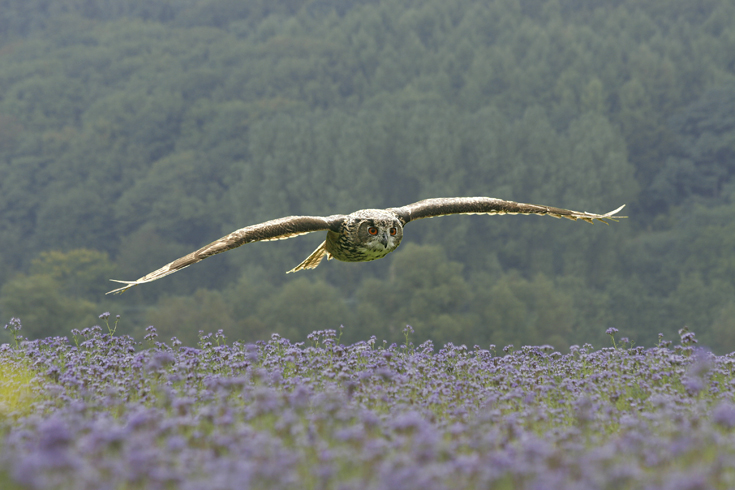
(687, 337)
(724, 414)
(14, 325)
(408, 422)
(702, 363)
(275, 414)
(693, 385)
(160, 359)
(152, 333)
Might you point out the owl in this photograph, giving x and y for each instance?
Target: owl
(367, 234)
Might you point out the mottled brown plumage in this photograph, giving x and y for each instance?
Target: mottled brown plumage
(364, 235)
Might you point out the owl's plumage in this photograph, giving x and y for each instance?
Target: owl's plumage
(364, 235)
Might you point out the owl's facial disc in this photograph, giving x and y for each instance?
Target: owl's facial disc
(383, 236)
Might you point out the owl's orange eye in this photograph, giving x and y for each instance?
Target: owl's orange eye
(392, 231)
(373, 230)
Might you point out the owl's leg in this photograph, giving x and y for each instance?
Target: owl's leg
(314, 259)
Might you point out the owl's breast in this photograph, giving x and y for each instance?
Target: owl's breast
(343, 248)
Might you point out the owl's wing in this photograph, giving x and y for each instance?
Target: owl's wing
(430, 208)
(277, 229)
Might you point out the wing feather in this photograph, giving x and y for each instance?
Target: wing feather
(431, 208)
(277, 229)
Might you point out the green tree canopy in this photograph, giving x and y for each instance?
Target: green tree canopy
(146, 129)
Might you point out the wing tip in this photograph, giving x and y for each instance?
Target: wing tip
(590, 217)
(129, 284)
(611, 214)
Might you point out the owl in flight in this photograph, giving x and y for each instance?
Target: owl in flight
(364, 235)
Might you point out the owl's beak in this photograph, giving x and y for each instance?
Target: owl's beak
(384, 240)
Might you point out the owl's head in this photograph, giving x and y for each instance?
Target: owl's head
(381, 235)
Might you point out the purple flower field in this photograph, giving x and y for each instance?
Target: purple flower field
(104, 412)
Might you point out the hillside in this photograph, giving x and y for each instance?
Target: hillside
(134, 132)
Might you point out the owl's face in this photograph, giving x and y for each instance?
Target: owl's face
(367, 234)
(381, 236)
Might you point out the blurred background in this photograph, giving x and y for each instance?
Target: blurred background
(135, 131)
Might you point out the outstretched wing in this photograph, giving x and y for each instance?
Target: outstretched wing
(277, 229)
(430, 208)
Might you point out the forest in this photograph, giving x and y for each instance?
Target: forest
(133, 132)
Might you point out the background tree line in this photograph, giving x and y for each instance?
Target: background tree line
(133, 132)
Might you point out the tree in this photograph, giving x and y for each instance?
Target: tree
(60, 293)
(39, 301)
(519, 311)
(81, 273)
(301, 307)
(424, 290)
(184, 316)
(75, 217)
(720, 337)
(180, 196)
(706, 137)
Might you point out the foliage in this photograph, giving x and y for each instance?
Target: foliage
(527, 310)
(184, 316)
(17, 385)
(60, 292)
(41, 302)
(145, 130)
(80, 272)
(423, 289)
